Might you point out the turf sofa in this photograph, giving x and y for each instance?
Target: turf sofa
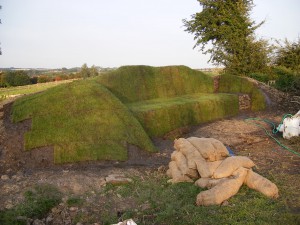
(166, 98)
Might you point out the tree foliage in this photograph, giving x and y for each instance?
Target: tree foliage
(288, 55)
(86, 72)
(93, 71)
(14, 78)
(224, 29)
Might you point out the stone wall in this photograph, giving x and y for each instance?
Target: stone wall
(244, 102)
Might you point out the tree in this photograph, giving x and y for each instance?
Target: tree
(15, 78)
(94, 71)
(225, 27)
(2, 80)
(84, 71)
(288, 55)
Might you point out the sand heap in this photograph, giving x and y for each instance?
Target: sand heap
(207, 161)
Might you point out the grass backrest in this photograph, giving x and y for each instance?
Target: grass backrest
(139, 83)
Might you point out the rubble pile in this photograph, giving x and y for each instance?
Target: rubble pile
(207, 163)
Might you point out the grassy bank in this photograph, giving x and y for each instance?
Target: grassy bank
(82, 120)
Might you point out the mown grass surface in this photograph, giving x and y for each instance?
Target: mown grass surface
(159, 116)
(139, 83)
(235, 84)
(29, 89)
(151, 200)
(37, 203)
(82, 120)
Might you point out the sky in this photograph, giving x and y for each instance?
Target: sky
(113, 33)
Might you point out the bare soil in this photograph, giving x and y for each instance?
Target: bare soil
(26, 168)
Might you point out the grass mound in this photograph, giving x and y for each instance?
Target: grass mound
(235, 84)
(139, 83)
(83, 121)
(159, 116)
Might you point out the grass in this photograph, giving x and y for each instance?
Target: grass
(29, 89)
(82, 120)
(235, 84)
(159, 116)
(151, 200)
(138, 83)
(38, 202)
(74, 201)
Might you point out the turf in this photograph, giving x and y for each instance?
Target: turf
(159, 116)
(83, 121)
(138, 83)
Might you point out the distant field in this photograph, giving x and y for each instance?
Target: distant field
(29, 89)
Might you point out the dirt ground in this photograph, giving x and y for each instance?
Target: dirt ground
(24, 169)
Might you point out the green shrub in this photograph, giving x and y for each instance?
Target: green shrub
(14, 78)
(286, 80)
(260, 77)
(44, 79)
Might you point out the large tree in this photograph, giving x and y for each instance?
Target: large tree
(224, 30)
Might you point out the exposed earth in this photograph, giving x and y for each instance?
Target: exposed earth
(20, 170)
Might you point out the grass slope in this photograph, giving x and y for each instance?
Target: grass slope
(82, 120)
(139, 83)
(159, 116)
